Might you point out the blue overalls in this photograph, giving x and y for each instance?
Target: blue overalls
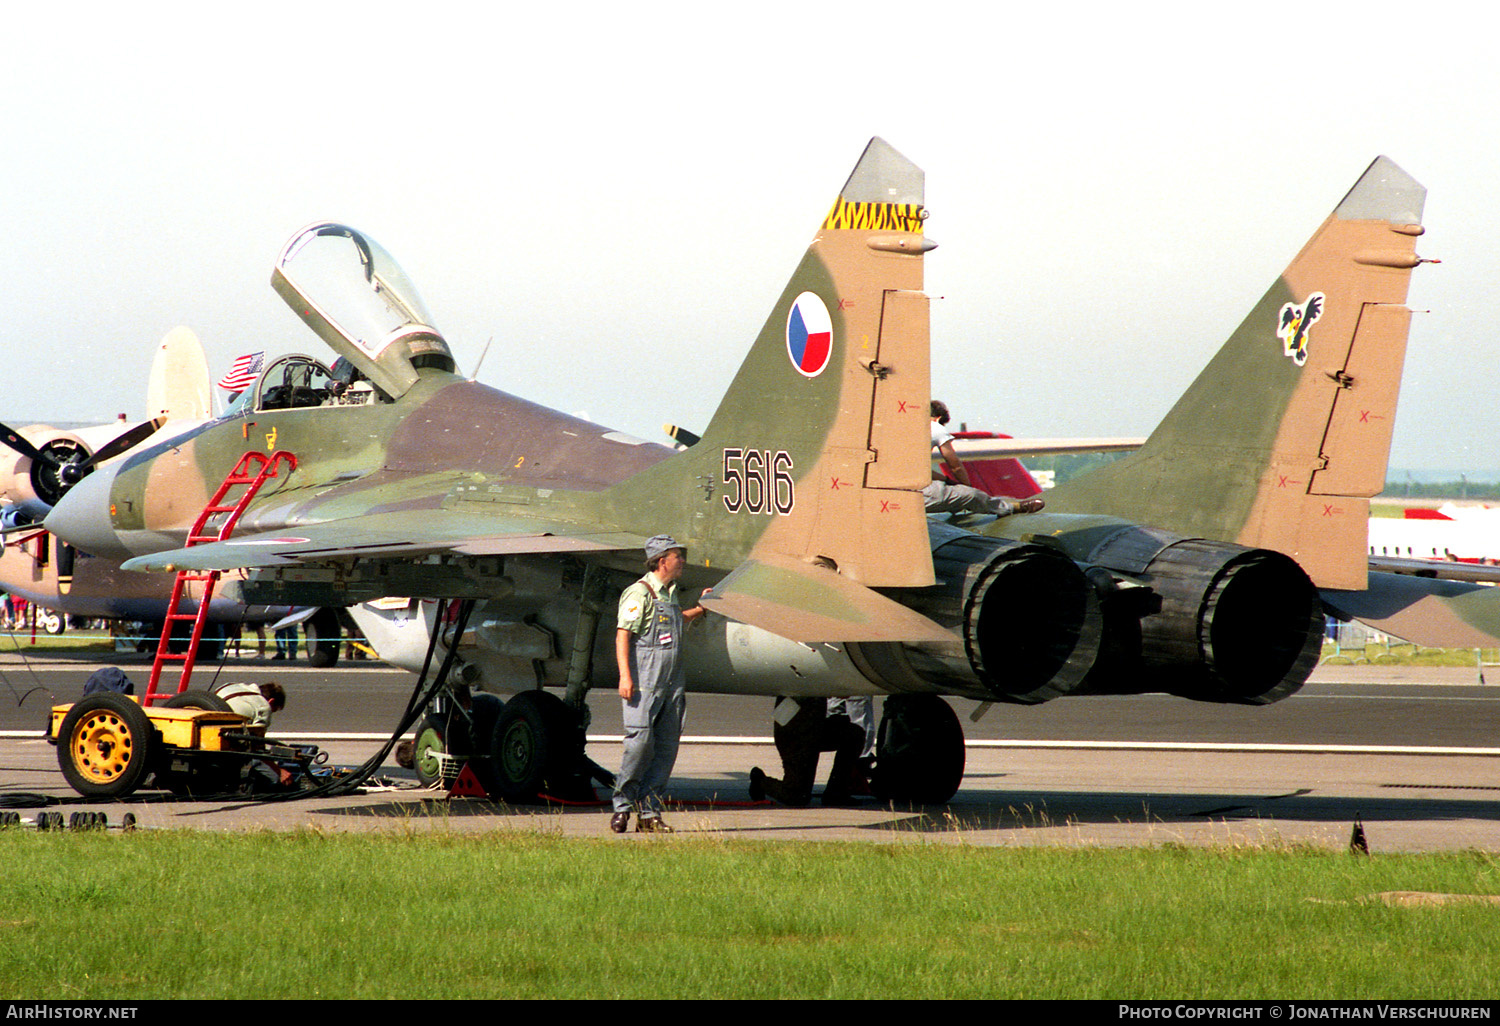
(653, 716)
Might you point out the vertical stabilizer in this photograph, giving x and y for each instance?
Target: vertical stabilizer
(819, 449)
(1283, 438)
(178, 388)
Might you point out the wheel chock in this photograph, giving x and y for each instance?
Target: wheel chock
(467, 785)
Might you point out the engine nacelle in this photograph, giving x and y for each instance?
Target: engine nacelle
(1210, 621)
(29, 513)
(1029, 620)
(24, 479)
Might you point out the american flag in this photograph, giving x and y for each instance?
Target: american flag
(244, 372)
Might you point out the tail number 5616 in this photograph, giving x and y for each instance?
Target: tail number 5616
(758, 481)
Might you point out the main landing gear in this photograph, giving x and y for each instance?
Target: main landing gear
(519, 750)
(919, 751)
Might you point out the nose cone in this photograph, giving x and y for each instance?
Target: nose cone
(81, 517)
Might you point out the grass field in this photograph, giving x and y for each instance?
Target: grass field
(309, 915)
(69, 641)
(1400, 653)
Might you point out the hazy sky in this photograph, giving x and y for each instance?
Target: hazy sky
(617, 193)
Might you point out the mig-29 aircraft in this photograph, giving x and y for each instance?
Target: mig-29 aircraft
(801, 503)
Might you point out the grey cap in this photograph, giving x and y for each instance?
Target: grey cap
(661, 545)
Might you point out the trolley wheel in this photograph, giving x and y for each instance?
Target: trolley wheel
(104, 745)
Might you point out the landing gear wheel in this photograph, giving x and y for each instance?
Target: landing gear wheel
(919, 756)
(104, 745)
(198, 700)
(323, 638)
(521, 751)
(469, 736)
(428, 746)
(536, 745)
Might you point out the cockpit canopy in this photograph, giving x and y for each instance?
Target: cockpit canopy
(297, 381)
(358, 300)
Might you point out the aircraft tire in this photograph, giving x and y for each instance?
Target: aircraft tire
(323, 638)
(104, 745)
(521, 749)
(529, 744)
(919, 754)
(431, 741)
(198, 700)
(51, 621)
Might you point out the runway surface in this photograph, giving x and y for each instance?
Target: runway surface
(1411, 752)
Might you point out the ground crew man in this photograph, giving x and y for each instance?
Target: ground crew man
(255, 702)
(802, 729)
(648, 649)
(942, 497)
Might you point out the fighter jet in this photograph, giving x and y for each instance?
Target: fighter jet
(800, 504)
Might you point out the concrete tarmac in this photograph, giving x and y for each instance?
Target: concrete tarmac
(1027, 790)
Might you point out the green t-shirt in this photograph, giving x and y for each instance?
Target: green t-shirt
(637, 606)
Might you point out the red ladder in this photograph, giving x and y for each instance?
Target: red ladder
(242, 476)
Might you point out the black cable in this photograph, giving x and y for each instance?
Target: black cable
(20, 697)
(414, 708)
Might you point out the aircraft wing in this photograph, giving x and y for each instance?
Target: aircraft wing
(1424, 611)
(405, 534)
(1445, 570)
(1000, 448)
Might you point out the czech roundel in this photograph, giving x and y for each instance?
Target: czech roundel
(809, 335)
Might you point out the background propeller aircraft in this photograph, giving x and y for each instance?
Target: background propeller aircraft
(46, 461)
(800, 504)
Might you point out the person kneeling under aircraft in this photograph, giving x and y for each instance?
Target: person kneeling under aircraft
(256, 702)
(803, 728)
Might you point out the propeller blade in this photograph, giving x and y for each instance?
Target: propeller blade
(681, 435)
(14, 440)
(65, 559)
(114, 447)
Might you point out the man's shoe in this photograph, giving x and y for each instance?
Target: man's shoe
(651, 825)
(1032, 505)
(757, 784)
(619, 822)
